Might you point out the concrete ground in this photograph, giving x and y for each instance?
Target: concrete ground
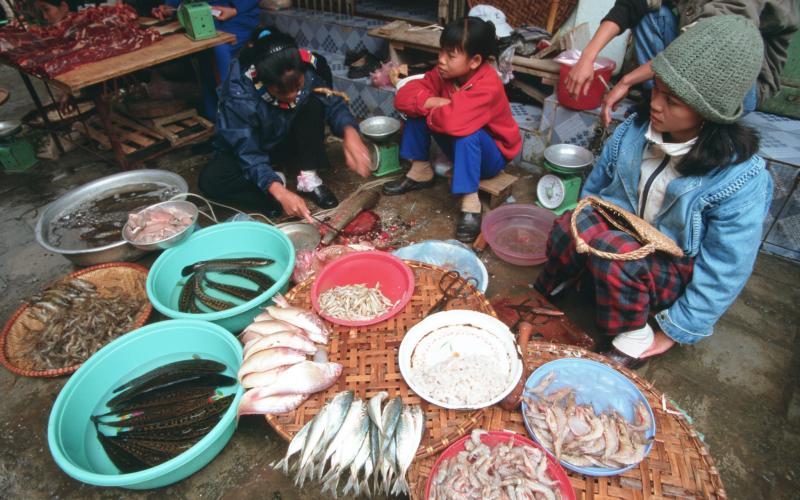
(740, 386)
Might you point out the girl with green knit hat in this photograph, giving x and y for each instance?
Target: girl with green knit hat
(684, 165)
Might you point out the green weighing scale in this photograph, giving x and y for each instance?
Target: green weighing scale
(198, 21)
(385, 152)
(16, 154)
(560, 190)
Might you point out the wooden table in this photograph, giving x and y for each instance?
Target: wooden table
(402, 36)
(94, 76)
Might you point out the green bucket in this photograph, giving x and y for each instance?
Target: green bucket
(228, 240)
(71, 435)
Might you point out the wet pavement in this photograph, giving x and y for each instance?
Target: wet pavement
(740, 386)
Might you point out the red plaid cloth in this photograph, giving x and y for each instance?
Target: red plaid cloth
(625, 291)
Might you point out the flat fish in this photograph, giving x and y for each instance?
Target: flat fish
(306, 320)
(261, 379)
(296, 341)
(306, 377)
(252, 404)
(266, 327)
(269, 359)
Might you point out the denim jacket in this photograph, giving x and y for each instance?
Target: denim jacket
(250, 128)
(716, 218)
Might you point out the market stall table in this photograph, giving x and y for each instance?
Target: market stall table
(94, 76)
(679, 465)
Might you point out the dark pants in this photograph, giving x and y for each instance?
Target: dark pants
(303, 148)
(626, 292)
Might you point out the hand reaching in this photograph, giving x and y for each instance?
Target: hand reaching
(356, 155)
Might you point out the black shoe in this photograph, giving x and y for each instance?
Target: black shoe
(623, 359)
(363, 66)
(404, 185)
(468, 227)
(321, 196)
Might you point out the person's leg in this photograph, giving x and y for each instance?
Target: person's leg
(415, 145)
(475, 157)
(652, 35)
(564, 264)
(222, 180)
(626, 292)
(303, 153)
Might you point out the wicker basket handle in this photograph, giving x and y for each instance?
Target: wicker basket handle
(582, 247)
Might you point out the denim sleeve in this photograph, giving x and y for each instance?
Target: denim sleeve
(603, 170)
(239, 130)
(337, 113)
(724, 263)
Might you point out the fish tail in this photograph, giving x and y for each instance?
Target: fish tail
(332, 485)
(282, 464)
(400, 486)
(280, 300)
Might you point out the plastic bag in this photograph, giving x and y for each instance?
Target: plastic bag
(505, 68)
(310, 262)
(449, 254)
(570, 58)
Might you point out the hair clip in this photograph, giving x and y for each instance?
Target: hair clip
(264, 33)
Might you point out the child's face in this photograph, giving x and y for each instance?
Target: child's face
(455, 64)
(50, 13)
(670, 115)
(289, 96)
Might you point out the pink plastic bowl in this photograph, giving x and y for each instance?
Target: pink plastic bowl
(367, 268)
(518, 233)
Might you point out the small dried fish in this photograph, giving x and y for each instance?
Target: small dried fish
(354, 302)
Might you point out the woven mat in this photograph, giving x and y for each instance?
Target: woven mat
(678, 466)
(109, 279)
(369, 357)
(533, 12)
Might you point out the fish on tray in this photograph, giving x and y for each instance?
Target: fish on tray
(344, 439)
(195, 291)
(156, 416)
(580, 436)
(157, 224)
(301, 318)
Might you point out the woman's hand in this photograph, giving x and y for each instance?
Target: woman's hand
(163, 11)
(291, 203)
(225, 13)
(355, 152)
(611, 100)
(580, 77)
(435, 102)
(661, 344)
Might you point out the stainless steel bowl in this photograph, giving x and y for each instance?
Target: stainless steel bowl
(113, 252)
(9, 127)
(379, 128)
(303, 235)
(173, 240)
(568, 157)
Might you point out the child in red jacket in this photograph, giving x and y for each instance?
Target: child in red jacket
(462, 105)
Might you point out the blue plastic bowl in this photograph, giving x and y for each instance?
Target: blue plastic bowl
(222, 241)
(601, 386)
(450, 255)
(71, 435)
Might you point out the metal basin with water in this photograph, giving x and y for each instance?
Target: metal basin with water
(72, 201)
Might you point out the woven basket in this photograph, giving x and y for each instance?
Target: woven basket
(108, 278)
(678, 466)
(652, 239)
(369, 357)
(533, 12)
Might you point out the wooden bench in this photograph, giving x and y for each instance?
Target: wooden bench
(498, 187)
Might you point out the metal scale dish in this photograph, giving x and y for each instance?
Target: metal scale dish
(560, 190)
(381, 130)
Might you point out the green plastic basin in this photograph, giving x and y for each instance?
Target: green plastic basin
(222, 241)
(71, 435)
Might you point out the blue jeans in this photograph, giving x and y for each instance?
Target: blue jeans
(657, 30)
(475, 156)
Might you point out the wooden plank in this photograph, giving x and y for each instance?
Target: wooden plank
(498, 183)
(169, 48)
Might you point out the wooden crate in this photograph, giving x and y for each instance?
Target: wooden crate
(135, 139)
(183, 128)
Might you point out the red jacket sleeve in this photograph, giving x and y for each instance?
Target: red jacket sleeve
(410, 99)
(469, 110)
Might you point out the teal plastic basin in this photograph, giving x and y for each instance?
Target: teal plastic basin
(71, 435)
(222, 241)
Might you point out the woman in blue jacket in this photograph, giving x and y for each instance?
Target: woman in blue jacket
(685, 166)
(270, 112)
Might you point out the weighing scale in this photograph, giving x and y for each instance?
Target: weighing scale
(197, 19)
(16, 155)
(561, 190)
(385, 152)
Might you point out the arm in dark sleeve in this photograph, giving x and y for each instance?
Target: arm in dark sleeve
(628, 13)
(238, 129)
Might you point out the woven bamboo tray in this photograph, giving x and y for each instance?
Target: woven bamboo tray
(533, 12)
(108, 278)
(369, 357)
(678, 466)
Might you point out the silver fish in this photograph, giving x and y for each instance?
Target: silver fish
(353, 433)
(312, 440)
(389, 418)
(298, 441)
(359, 462)
(375, 430)
(339, 408)
(407, 436)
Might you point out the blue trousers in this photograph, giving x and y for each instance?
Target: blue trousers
(475, 156)
(657, 30)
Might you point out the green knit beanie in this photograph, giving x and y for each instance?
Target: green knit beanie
(712, 66)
